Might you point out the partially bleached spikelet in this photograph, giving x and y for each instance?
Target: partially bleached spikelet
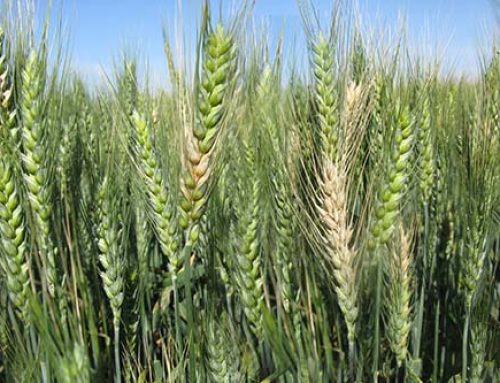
(398, 298)
(354, 100)
(353, 94)
(13, 246)
(337, 238)
(354, 120)
(218, 72)
(389, 197)
(159, 203)
(34, 160)
(325, 95)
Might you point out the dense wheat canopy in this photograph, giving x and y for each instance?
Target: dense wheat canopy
(249, 220)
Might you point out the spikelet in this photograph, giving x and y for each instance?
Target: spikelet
(7, 108)
(325, 96)
(280, 187)
(284, 228)
(159, 203)
(13, 244)
(397, 302)
(479, 336)
(472, 260)
(35, 160)
(110, 254)
(248, 257)
(222, 352)
(74, 366)
(128, 84)
(378, 128)
(389, 197)
(65, 155)
(426, 163)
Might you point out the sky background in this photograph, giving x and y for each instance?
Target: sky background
(101, 29)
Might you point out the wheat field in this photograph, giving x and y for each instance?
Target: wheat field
(249, 221)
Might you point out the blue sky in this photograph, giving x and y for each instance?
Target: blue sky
(101, 29)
